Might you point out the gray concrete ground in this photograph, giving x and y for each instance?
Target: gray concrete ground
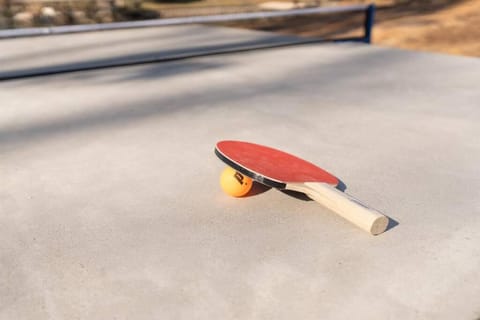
(111, 207)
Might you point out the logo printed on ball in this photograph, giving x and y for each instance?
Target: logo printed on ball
(239, 177)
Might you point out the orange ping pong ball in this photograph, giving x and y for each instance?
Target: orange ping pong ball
(234, 183)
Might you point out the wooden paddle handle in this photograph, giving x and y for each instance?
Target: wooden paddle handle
(344, 205)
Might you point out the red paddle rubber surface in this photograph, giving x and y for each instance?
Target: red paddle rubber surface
(271, 163)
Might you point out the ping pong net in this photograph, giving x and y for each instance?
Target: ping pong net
(61, 49)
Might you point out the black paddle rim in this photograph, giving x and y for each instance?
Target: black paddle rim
(255, 176)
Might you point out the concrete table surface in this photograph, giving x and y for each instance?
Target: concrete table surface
(110, 206)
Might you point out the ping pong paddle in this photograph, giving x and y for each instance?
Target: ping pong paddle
(281, 170)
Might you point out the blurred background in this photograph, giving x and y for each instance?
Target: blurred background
(447, 26)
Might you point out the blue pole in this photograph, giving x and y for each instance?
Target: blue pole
(369, 20)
